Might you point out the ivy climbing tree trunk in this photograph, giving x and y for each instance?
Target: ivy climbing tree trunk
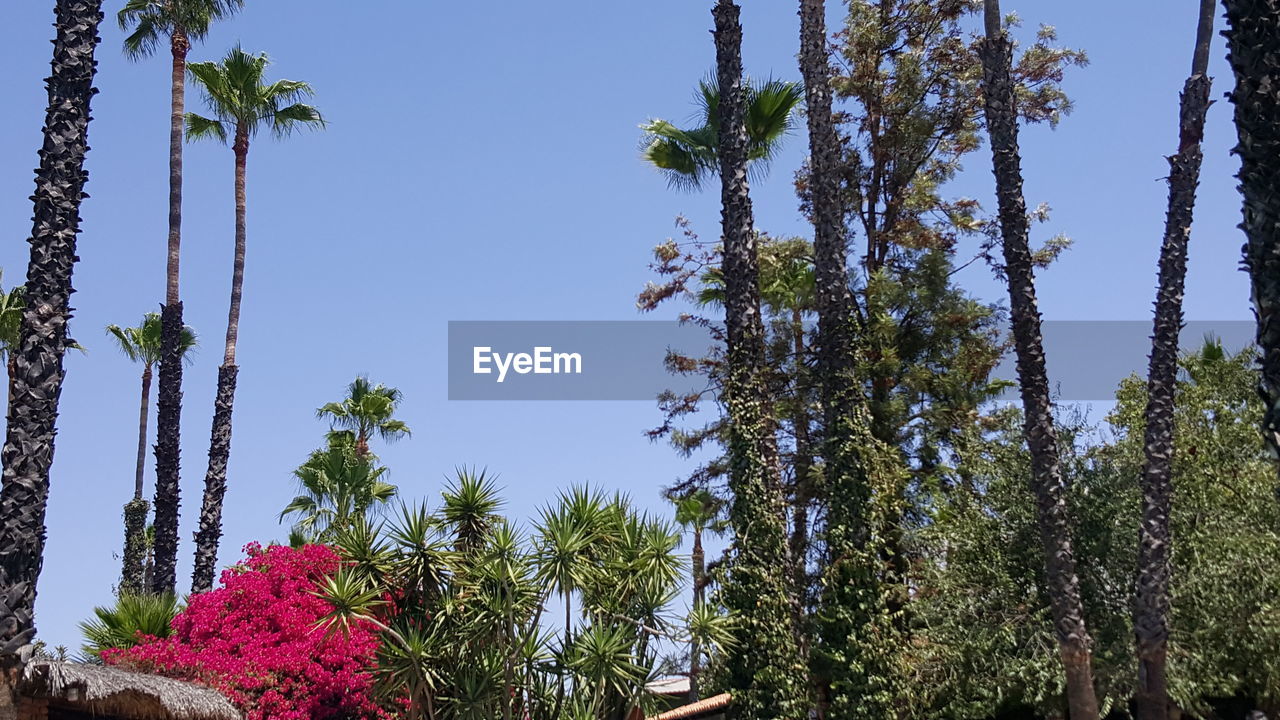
(763, 669)
(1252, 29)
(1151, 606)
(1051, 505)
(33, 410)
(136, 510)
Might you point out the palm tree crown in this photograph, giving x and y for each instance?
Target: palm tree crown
(367, 410)
(154, 21)
(142, 343)
(689, 157)
(243, 103)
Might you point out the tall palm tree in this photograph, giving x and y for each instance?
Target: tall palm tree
(141, 344)
(996, 51)
(699, 512)
(243, 103)
(765, 674)
(37, 359)
(688, 157)
(1151, 606)
(1252, 26)
(367, 410)
(151, 24)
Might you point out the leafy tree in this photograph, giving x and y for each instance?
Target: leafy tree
(1002, 125)
(151, 25)
(132, 620)
(339, 487)
(1151, 607)
(243, 103)
(367, 410)
(42, 337)
(688, 157)
(459, 596)
(1251, 25)
(141, 344)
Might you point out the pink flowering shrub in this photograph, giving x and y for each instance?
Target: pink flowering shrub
(256, 640)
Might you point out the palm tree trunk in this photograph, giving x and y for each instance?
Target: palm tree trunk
(802, 466)
(1252, 28)
(33, 410)
(698, 563)
(215, 479)
(169, 409)
(763, 671)
(1047, 483)
(1151, 607)
(132, 577)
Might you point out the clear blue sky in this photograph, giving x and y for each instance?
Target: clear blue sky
(481, 163)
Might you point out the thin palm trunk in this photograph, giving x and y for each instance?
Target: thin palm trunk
(33, 410)
(1252, 28)
(698, 561)
(1047, 483)
(763, 671)
(1151, 607)
(169, 407)
(136, 510)
(215, 479)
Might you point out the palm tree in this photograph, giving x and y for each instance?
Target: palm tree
(151, 24)
(127, 622)
(42, 338)
(141, 344)
(699, 512)
(338, 487)
(242, 104)
(471, 505)
(765, 674)
(996, 51)
(367, 410)
(688, 157)
(1151, 609)
(1252, 26)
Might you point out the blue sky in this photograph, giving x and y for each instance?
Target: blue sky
(481, 163)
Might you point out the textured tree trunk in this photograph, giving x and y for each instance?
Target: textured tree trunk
(215, 479)
(132, 579)
(132, 574)
(1042, 440)
(1252, 29)
(763, 670)
(33, 410)
(801, 494)
(169, 410)
(1151, 606)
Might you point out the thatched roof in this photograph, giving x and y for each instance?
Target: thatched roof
(716, 703)
(101, 690)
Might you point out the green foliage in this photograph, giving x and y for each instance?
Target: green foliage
(689, 157)
(152, 23)
(367, 410)
(243, 102)
(141, 344)
(460, 595)
(127, 623)
(984, 635)
(338, 486)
